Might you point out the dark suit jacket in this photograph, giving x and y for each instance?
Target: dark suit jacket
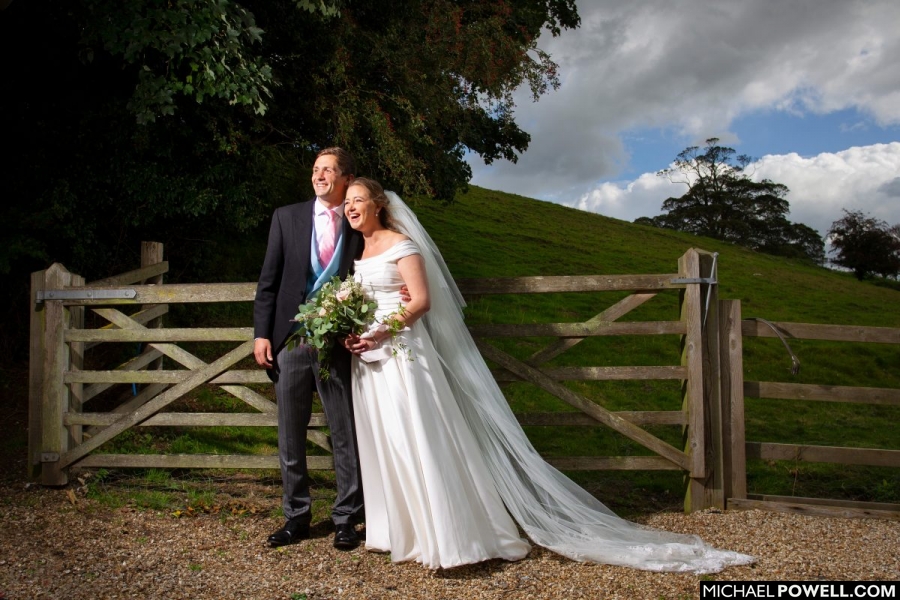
(282, 280)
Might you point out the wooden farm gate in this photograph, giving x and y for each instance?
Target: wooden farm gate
(736, 449)
(64, 432)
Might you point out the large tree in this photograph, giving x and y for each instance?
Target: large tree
(130, 116)
(722, 202)
(184, 120)
(865, 245)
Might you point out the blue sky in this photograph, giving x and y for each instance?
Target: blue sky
(810, 87)
(763, 132)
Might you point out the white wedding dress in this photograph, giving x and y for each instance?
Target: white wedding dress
(429, 496)
(442, 453)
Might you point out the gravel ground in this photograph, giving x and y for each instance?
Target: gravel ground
(54, 543)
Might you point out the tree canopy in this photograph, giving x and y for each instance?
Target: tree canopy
(187, 121)
(865, 245)
(722, 202)
(176, 118)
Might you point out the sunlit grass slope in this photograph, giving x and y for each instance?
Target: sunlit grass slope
(493, 234)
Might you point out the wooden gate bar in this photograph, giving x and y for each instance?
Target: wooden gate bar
(578, 283)
(579, 419)
(579, 330)
(602, 373)
(617, 310)
(189, 334)
(875, 457)
(190, 361)
(799, 507)
(821, 393)
(184, 293)
(606, 417)
(144, 412)
(834, 333)
(613, 463)
(168, 376)
(151, 271)
(146, 394)
(135, 364)
(143, 317)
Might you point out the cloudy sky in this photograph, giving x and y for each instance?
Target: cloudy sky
(811, 88)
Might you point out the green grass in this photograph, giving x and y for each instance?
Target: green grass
(493, 234)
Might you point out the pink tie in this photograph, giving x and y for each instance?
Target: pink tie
(327, 241)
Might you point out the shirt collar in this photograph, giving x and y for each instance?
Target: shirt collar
(321, 209)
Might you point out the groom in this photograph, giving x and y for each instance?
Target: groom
(309, 243)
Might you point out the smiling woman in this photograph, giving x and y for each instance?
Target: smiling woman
(448, 472)
(364, 207)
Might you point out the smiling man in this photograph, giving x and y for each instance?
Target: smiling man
(309, 243)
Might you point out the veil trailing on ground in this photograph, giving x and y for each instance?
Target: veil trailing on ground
(554, 511)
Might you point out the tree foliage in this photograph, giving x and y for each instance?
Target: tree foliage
(180, 118)
(722, 202)
(196, 49)
(187, 121)
(865, 245)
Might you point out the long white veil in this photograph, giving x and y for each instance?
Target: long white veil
(554, 511)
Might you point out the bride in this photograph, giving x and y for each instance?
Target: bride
(448, 473)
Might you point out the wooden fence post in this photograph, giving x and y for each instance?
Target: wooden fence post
(152, 254)
(36, 375)
(692, 360)
(734, 438)
(56, 360)
(76, 363)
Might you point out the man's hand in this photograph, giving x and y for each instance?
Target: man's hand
(404, 294)
(262, 352)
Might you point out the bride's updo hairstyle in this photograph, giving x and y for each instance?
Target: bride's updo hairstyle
(376, 193)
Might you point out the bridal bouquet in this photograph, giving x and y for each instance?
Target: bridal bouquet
(338, 310)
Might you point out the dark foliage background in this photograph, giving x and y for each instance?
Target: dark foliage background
(187, 121)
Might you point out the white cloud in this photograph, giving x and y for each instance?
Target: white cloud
(630, 200)
(863, 178)
(691, 67)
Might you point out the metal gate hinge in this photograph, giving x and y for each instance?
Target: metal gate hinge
(85, 294)
(48, 457)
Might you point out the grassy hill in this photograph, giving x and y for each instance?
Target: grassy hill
(493, 234)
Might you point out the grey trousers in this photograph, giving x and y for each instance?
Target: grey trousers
(297, 373)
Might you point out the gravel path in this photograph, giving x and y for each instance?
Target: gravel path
(56, 544)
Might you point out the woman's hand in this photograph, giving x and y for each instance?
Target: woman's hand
(357, 344)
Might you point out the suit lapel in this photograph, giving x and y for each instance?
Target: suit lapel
(303, 232)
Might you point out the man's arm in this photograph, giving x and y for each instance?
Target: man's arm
(266, 294)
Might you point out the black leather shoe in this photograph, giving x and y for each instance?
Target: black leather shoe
(292, 532)
(345, 537)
